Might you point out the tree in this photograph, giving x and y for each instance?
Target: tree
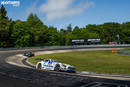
(110, 31)
(20, 34)
(125, 35)
(3, 12)
(36, 28)
(33, 32)
(52, 36)
(92, 28)
(69, 28)
(11, 40)
(76, 32)
(68, 37)
(62, 36)
(4, 28)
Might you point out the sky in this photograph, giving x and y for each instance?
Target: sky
(61, 13)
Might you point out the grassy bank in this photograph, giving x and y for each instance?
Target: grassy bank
(92, 61)
(126, 49)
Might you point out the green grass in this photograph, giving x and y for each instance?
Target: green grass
(92, 61)
(126, 49)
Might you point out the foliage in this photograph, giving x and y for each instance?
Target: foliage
(33, 32)
(20, 34)
(69, 28)
(3, 12)
(4, 28)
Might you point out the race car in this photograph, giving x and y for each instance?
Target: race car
(29, 54)
(50, 64)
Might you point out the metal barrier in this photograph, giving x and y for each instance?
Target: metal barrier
(68, 47)
(124, 52)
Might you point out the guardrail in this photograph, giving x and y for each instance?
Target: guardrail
(67, 47)
(124, 52)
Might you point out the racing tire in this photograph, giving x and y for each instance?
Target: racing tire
(57, 68)
(39, 66)
(71, 71)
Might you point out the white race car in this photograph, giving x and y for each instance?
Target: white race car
(50, 64)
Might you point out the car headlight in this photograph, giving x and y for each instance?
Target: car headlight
(71, 68)
(64, 66)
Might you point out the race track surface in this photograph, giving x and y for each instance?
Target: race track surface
(15, 76)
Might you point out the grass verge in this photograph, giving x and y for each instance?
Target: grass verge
(126, 49)
(92, 61)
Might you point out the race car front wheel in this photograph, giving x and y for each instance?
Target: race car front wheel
(57, 68)
(39, 66)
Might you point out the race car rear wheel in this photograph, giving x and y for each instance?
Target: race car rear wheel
(57, 68)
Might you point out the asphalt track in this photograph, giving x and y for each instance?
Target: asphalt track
(14, 76)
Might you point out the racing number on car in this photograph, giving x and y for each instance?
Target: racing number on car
(47, 64)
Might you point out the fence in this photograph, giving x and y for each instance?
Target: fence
(124, 52)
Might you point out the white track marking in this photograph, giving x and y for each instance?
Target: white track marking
(16, 60)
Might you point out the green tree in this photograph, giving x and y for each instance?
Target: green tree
(68, 37)
(36, 28)
(76, 32)
(93, 28)
(4, 28)
(52, 37)
(92, 31)
(3, 12)
(20, 34)
(69, 28)
(110, 31)
(125, 35)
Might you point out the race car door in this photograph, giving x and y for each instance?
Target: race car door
(47, 65)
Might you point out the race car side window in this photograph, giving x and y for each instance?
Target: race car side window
(49, 62)
(46, 60)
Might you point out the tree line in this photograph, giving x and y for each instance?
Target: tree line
(33, 32)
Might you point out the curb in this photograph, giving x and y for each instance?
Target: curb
(30, 62)
(110, 75)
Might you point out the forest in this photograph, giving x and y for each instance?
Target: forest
(33, 32)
